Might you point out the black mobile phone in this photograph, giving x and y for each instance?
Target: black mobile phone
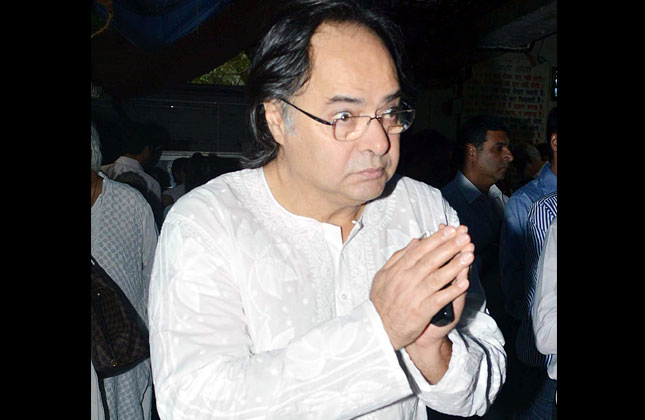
(444, 317)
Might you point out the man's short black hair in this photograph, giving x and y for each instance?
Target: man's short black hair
(475, 129)
(474, 132)
(281, 64)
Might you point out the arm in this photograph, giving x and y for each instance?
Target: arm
(545, 304)
(477, 366)
(476, 372)
(512, 251)
(203, 357)
(453, 370)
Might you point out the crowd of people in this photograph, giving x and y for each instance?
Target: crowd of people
(302, 284)
(130, 197)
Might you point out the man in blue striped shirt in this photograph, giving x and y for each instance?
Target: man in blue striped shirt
(513, 236)
(525, 370)
(540, 215)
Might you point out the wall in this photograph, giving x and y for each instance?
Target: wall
(444, 109)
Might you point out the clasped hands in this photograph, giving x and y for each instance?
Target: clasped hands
(409, 289)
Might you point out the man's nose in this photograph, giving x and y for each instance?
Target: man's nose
(375, 138)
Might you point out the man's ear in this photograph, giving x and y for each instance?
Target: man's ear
(275, 122)
(554, 142)
(471, 152)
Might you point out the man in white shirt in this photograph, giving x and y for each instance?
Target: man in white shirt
(298, 288)
(142, 149)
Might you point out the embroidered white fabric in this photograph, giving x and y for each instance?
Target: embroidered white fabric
(257, 313)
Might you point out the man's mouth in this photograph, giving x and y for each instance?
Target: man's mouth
(372, 173)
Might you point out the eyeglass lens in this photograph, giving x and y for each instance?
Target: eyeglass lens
(351, 128)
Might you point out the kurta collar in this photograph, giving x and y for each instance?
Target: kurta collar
(375, 214)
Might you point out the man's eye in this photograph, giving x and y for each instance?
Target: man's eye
(342, 116)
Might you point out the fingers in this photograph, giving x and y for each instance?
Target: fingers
(422, 257)
(410, 254)
(441, 277)
(408, 290)
(398, 254)
(437, 300)
(436, 251)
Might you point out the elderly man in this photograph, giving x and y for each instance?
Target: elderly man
(298, 287)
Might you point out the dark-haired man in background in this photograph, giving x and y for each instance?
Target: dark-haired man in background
(298, 288)
(142, 147)
(483, 144)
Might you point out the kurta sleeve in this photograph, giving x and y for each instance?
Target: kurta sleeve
(202, 354)
(476, 371)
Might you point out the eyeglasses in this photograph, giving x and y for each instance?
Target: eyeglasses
(349, 127)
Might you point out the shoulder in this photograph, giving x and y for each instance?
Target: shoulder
(547, 199)
(416, 191)
(216, 212)
(220, 197)
(547, 204)
(423, 201)
(125, 193)
(451, 188)
(522, 197)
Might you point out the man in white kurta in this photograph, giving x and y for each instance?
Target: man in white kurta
(298, 288)
(259, 313)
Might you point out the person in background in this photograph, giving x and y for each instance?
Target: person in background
(546, 153)
(527, 163)
(544, 310)
(142, 147)
(513, 239)
(535, 381)
(179, 170)
(162, 176)
(199, 171)
(134, 180)
(123, 241)
(533, 391)
(298, 287)
(483, 145)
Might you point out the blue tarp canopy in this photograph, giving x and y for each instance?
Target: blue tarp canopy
(155, 24)
(149, 45)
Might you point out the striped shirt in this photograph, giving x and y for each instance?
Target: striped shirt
(540, 215)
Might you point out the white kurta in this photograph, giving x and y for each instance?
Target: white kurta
(124, 238)
(259, 313)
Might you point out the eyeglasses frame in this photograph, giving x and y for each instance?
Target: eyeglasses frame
(320, 120)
